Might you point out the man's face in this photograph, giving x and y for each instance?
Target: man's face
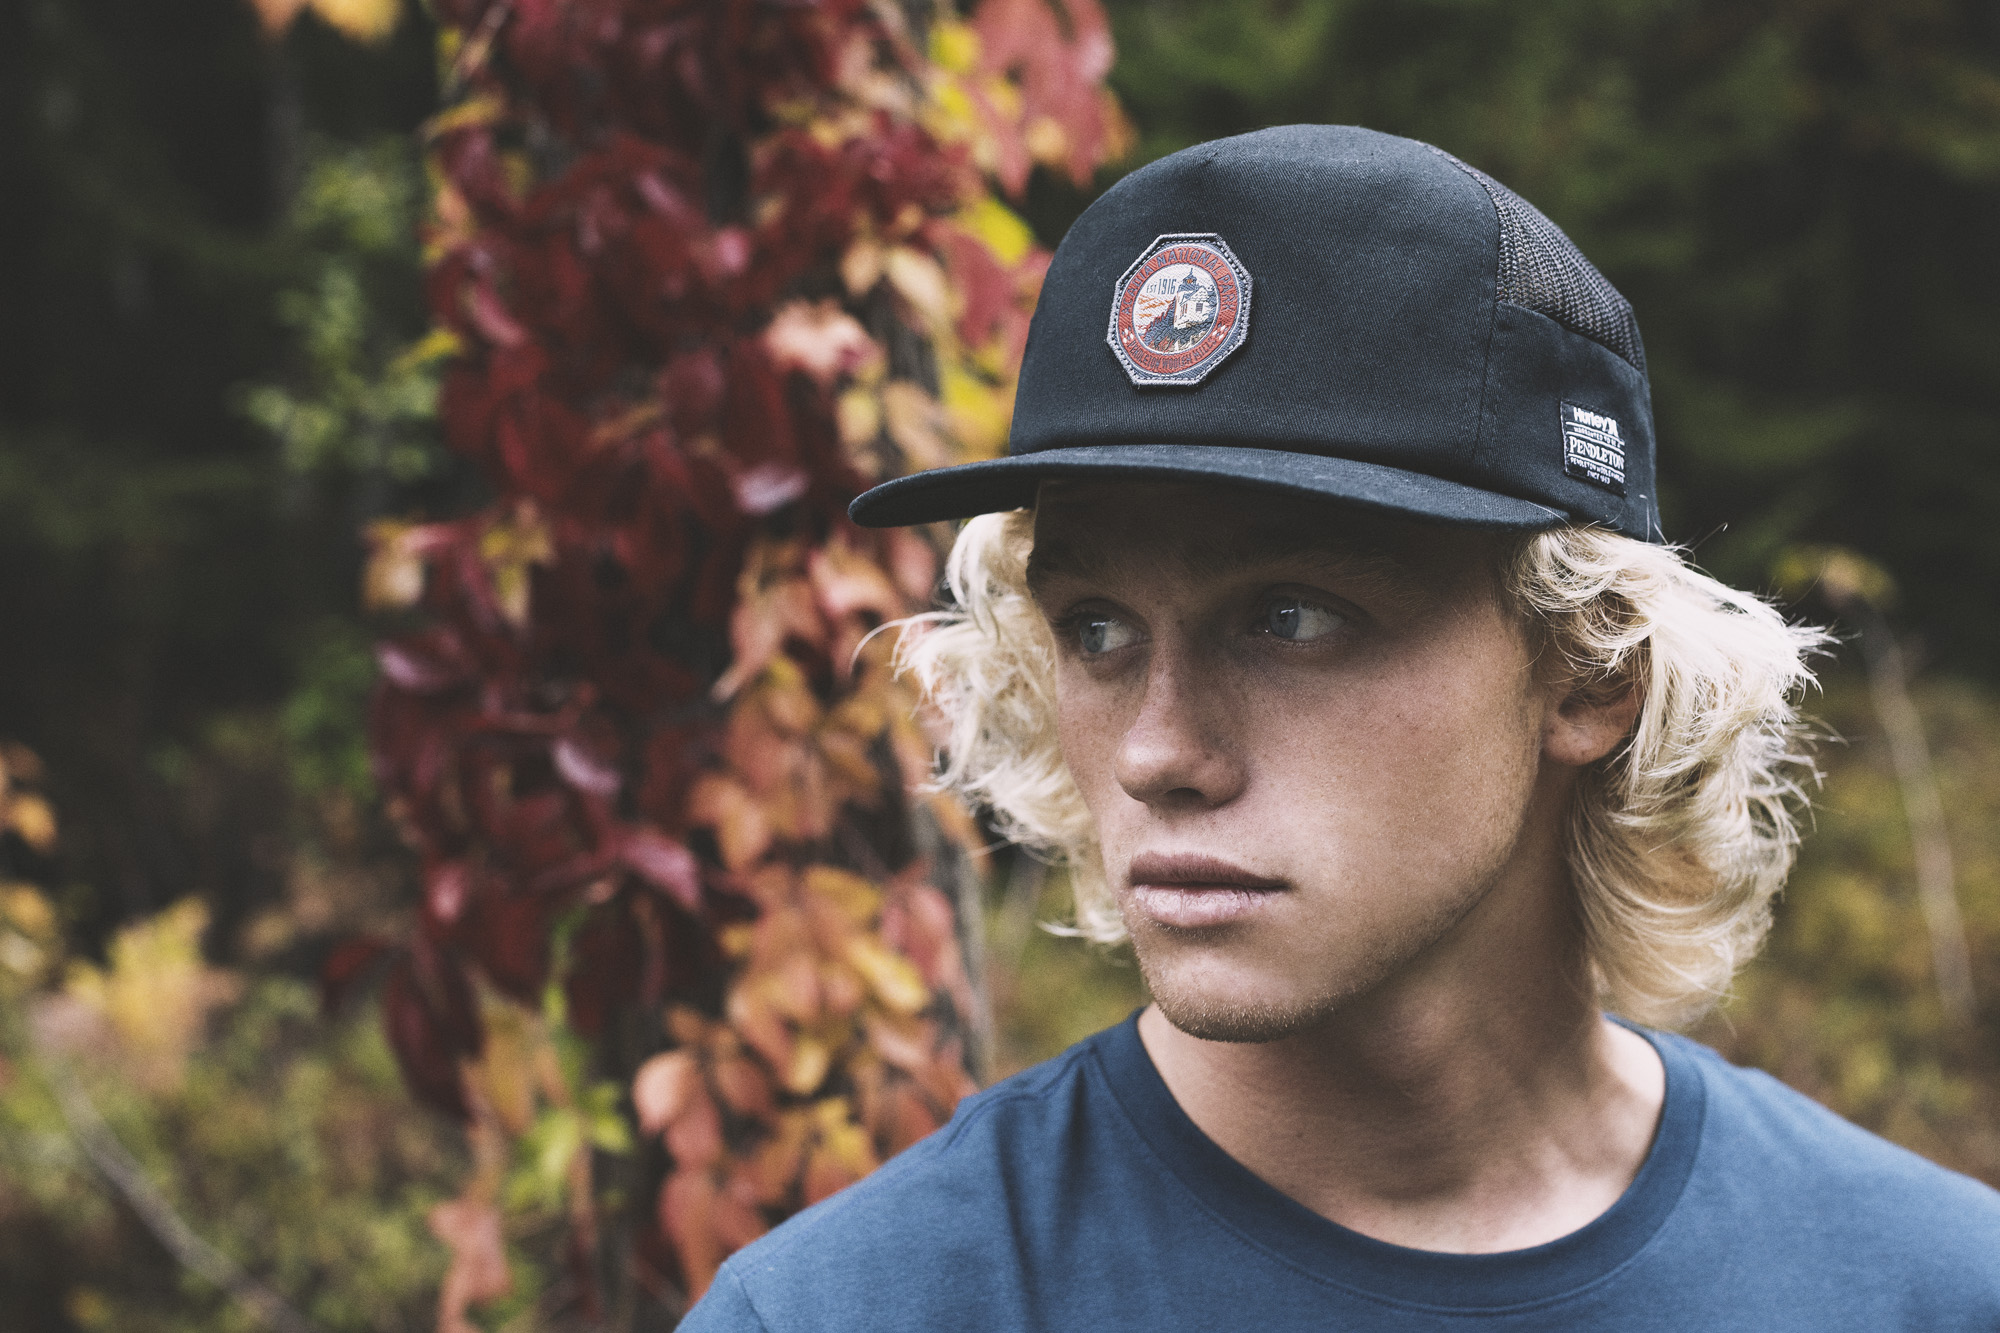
(1310, 738)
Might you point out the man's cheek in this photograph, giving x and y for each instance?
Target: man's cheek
(1087, 735)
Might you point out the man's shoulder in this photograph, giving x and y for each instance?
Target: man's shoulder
(1777, 1149)
(940, 1206)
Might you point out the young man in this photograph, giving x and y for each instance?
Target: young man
(1319, 622)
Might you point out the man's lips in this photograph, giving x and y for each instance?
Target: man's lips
(1192, 891)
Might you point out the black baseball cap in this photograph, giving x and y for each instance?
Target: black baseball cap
(1326, 310)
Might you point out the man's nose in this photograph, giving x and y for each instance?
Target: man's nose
(1176, 752)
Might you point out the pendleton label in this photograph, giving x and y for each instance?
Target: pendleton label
(1593, 447)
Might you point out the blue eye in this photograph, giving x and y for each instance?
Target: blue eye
(1102, 634)
(1298, 621)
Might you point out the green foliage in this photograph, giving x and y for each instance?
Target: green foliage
(364, 402)
(324, 720)
(1050, 991)
(182, 195)
(288, 1144)
(1843, 1003)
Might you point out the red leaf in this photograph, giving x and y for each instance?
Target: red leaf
(663, 863)
(427, 1058)
(770, 487)
(588, 760)
(343, 968)
(447, 886)
(509, 934)
(427, 664)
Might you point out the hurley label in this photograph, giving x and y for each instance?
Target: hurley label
(1593, 447)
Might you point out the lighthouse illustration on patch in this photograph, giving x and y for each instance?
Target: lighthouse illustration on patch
(1181, 308)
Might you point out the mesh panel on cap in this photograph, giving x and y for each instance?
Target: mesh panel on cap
(1541, 268)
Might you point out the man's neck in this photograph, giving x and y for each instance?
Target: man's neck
(1448, 1116)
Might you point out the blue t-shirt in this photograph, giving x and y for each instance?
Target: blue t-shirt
(1078, 1195)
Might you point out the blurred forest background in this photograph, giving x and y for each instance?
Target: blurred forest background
(213, 378)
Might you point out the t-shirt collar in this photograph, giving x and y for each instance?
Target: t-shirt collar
(1288, 1229)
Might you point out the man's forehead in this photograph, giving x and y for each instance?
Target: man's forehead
(1082, 528)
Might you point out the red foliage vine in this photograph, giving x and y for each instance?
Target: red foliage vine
(710, 268)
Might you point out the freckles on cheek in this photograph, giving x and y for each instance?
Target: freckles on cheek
(1087, 733)
(1437, 748)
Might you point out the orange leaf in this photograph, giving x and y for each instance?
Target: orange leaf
(744, 1086)
(664, 1088)
(793, 985)
(737, 1221)
(913, 563)
(277, 15)
(846, 582)
(687, 1215)
(820, 339)
(759, 1025)
(478, 1272)
(695, 1136)
(742, 831)
(775, 1169)
(910, 1117)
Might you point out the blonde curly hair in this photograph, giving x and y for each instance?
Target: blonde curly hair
(1677, 841)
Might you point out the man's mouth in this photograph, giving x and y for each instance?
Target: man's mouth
(1189, 891)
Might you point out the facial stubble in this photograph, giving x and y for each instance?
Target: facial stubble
(1210, 1017)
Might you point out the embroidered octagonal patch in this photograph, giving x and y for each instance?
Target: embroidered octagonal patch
(1182, 307)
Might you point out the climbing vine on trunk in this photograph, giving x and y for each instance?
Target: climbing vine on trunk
(702, 271)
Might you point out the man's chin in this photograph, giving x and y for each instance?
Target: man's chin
(1217, 1018)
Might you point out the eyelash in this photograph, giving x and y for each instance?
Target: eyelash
(1070, 626)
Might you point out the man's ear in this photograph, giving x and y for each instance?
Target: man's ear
(1589, 722)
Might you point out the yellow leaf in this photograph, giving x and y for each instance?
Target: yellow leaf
(29, 815)
(859, 416)
(952, 118)
(28, 911)
(894, 979)
(440, 344)
(506, 1070)
(807, 1068)
(861, 266)
(854, 897)
(843, 1139)
(361, 20)
(954, 46)
(999, 228)
(480, 110)
(29, 941)
(394, 576)
(915, 424)
(511, 548)
(920, 280)
(1047, 141)
(980, 413)
(157, 991)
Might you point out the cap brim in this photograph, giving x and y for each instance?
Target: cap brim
(1009, 483)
